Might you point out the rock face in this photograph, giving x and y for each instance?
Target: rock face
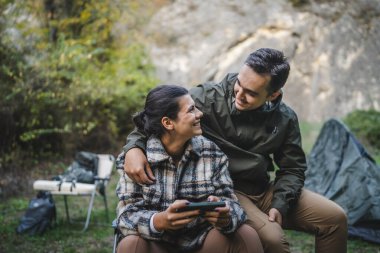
(333, 48)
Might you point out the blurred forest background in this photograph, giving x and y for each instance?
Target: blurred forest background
(73, 72)
(67, 83)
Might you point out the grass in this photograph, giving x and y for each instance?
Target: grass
(304, 243)
(64, 237)
(68, 238)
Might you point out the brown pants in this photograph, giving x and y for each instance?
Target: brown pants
(244, 240)
(313, 214)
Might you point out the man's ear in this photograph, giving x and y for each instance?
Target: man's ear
(274, 95)
(167, 123)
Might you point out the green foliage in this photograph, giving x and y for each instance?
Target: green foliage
(67, 83)
(366, 126)
(309, 133)
(298, 3)
(72, 86)
(11, 72)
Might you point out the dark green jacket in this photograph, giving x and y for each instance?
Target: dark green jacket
(251, 140)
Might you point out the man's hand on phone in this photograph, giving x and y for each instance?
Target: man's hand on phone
(137, 167)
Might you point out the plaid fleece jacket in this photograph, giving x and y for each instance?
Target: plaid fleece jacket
(202, 171)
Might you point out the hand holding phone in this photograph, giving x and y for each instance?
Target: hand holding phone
(204, 206)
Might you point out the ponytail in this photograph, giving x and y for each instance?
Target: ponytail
(161, 101)
(139, 119)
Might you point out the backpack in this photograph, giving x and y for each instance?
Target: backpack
(82, 170)
(40, 215)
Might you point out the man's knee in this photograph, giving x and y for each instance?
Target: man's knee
(248, 238)
(246, 231)
(338, 221)
(335, 215)
(273, 239)
(341, 216)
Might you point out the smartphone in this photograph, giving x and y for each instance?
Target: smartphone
(204, 206)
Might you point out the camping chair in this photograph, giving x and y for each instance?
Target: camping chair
(116, 235)
(105, 165)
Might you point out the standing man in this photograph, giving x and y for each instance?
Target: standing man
(245, 117)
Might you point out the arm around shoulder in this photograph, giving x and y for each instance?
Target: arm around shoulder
(135, 162)
(136, 139)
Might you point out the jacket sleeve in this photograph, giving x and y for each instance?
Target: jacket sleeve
(290, 177)
(133, 214)
(199, 94)
(224, 190)
(136, 139)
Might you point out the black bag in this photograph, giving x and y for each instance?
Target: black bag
(82, 170)
(40, 215)
(87, 160)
